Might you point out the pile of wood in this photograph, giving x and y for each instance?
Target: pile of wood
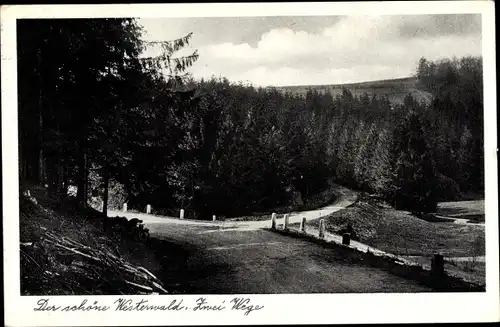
(74, 268)
(132, 229)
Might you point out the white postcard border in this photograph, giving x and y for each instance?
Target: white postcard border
(282, 309)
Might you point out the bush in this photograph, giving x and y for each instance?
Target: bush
(447, 188)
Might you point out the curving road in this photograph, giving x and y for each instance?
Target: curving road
(344, 198)
(241, 257)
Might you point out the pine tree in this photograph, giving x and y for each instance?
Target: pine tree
(415, 175)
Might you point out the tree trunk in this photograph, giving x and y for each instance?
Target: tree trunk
(60, 177)
(85, 180)
(22, 163)
(106, 192)
(81, 194)
(65, 179)
(52, 173)
(41, 170)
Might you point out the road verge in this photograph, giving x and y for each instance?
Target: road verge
(398, 266)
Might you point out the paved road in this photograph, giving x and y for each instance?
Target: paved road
(241, 257)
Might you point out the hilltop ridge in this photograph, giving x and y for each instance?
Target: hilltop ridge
(396, 89)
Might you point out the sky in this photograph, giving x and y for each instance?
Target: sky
(276, 51)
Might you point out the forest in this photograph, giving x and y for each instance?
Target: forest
(95, 114)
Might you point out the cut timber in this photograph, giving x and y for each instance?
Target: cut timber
(77, 252)
(147, 288)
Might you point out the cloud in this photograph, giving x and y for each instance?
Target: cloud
(351, 49)
(263, 76)
(434, 25)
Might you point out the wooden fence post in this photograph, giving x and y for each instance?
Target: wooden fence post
(285, 226)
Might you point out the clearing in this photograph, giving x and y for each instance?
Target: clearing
(395, 89)
(462, 211)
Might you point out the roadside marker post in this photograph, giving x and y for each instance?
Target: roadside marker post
(124, 207)
(303, 225)
(214, 218)
(285, 226)
(437, 266)
(322, 228)
(181, 214)
(273, 221)
(346, 238)
(148, 209)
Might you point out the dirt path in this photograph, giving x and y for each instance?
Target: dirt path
(263, 262)
(480, 258)
(345, 197)
(241, 257)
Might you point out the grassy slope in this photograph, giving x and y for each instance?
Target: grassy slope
(399, 232)
(46, 269)
(395, 89)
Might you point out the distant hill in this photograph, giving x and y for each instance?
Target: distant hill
(395, 89)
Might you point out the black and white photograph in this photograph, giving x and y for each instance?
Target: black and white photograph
(208, 154)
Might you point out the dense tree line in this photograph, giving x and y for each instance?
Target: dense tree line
(248, 149)
(90, 105)
(81, 82)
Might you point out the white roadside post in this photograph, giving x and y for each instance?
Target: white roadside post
(148, 209)
(303, 224)
(273, 221)
(124, 207)
(214, 218)
(285, 226)
(181, 215)
(322, 228)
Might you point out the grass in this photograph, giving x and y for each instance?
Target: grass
(251, 218)
(473, 271)
(399, 232)
(472, 210)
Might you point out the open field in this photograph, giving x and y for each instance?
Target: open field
(472, 211)
(395, 89)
